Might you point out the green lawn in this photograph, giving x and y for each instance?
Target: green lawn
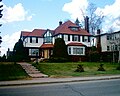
(10, 71)
(68, 69)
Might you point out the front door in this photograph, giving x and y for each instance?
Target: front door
(46, 53)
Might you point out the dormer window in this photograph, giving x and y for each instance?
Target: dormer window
(74, 28)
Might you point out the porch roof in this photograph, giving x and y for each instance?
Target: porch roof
(46, 46)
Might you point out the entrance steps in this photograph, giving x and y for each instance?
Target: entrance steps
(32, 71)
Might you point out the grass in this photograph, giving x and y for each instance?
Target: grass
(68, 69)
(10, 71)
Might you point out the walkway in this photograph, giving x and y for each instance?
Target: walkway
(57, 80)
(32, 71)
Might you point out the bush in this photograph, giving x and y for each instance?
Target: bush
(58, 59)
(100, 68)
(94, 57)
(79, 68)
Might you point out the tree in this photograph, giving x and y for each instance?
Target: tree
(60, 53)
(93, 55)
(95, 20)
(19, 52)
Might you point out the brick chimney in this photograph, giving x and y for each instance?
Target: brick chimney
(86, 23)
(60, 23)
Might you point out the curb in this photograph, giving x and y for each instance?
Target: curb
(58, 81)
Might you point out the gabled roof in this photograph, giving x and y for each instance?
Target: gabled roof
(65, 29)
(35, 32)
(25, 33)
(75, 44)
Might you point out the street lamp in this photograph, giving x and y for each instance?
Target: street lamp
(37, 56)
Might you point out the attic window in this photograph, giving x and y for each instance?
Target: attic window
(74, 28)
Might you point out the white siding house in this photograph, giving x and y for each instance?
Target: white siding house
(40, 42)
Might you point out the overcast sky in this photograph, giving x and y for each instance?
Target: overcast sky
(27, 15)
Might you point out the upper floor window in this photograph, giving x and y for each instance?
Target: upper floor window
(75, 38)
(66, 37)
(85, 39)
(48, 37)
(33, 39)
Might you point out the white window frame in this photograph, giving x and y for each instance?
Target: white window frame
(76, 50)
(76, 38)
(33, 52)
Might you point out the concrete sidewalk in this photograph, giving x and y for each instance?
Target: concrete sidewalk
(56, 80)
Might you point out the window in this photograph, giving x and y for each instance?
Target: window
(85, 38)
(78, 51)
(33, 52)
(48, 37)
(66, 37)
(74, 28)
(75, 38)
(33, 39)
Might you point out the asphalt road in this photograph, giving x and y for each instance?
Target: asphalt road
(89, 88)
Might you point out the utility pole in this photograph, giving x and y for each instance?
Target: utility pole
(1, 6)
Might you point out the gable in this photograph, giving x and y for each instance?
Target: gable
(47, 33)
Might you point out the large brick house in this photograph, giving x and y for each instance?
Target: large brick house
(39, 43)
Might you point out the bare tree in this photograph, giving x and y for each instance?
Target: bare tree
(95, 20)
(118, 23)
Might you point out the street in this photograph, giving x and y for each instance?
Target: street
(87, 88)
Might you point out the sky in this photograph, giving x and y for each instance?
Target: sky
(20, 15)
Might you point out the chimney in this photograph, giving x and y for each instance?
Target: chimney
(87, 23)
(60, 23)
(98, 41)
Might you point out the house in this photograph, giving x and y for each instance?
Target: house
(110, 45)
(39, 43)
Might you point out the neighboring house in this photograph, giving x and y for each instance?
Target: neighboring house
(110, 45)
(39, 43)
(110, 41)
